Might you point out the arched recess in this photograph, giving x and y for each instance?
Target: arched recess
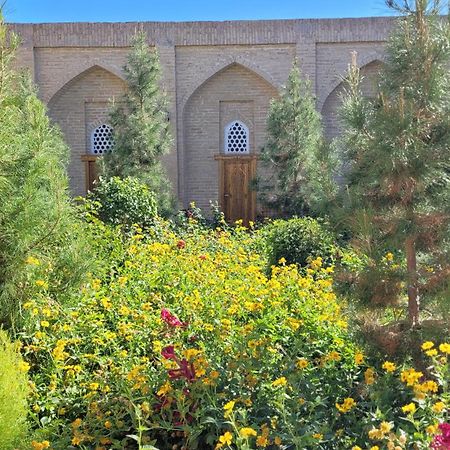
(330, 109)
(78, 107)
(237, 93)
(224, 65)
(81, 69)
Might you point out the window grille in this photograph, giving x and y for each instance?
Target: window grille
(237, 138)
(102, 140)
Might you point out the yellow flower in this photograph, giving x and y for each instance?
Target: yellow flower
(375, 434)
(302, 363)
(41, 283)
(432, 352)
(438, 407)
(23, 366)
(427, 345)
(247, 432)
(432, 429)
(410, 377)
(356, 447)
(45, 324)
(40, 445)
(346, 406)
(228, 408)
(32, 261)
(389, 257)
(375, 447)
(77, 423)
(410, 408)
(225, 439)
(386, 427)
(318, 436)
(369, 376)
(164, 389)
(359, 358)
(279, 382)
(445, 348)
(389, 366)
(108, 425)
(277, 441)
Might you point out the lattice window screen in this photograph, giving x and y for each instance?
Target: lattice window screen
(237, 138)
(102, 140)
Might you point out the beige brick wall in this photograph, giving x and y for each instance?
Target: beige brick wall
(235, 93)
(212, 71)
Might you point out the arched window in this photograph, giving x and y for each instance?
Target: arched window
(102, 140)
(237, 138)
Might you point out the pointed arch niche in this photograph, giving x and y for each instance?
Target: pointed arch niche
(236, 94)
(79, 107)
(330, 109)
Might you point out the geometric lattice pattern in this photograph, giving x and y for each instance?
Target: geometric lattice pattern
(102, 140)
(236, 138)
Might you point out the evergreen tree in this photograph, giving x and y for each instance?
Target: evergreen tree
(141, 127)
(36, 215)
(296, 161)
(398, 181)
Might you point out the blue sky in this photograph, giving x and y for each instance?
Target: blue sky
(181, 10)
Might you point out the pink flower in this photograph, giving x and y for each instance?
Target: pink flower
(169, 352)
(171, 319)
(442, 441)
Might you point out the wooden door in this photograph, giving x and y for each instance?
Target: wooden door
(91, 172)
(236, 196)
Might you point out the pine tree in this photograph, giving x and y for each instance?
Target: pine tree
(398, 181)
(296, 161)
(141, 127)
(36, 215)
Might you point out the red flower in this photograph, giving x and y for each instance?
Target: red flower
(181, 244)
(169, 352)
(186, 370)
(202, 257)
(442, 441)
(171, 319)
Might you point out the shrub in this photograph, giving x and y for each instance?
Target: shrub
(297, 240)
(13, 395)
(125, 201)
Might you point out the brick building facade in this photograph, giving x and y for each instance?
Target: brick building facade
(215, 73)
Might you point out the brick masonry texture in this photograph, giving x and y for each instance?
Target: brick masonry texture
(213, 72)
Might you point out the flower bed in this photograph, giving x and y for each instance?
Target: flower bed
(184, 342)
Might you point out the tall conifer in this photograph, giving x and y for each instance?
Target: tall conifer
(295, 161)
(140, 122)
(398, 181)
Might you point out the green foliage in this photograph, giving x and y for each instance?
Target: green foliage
(298, 240)
(124, 202)
(36, 215)
(13, 396)
(141, 127)
(397, 193)
(296, 161)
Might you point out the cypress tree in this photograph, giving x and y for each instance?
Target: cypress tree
(36, 215)
(398, 146)
(296, 161)
(141, 127)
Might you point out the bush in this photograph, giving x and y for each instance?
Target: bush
(125, 202)
(13, 396)
(298, 240)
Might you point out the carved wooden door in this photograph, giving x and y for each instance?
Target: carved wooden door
(237, 198)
